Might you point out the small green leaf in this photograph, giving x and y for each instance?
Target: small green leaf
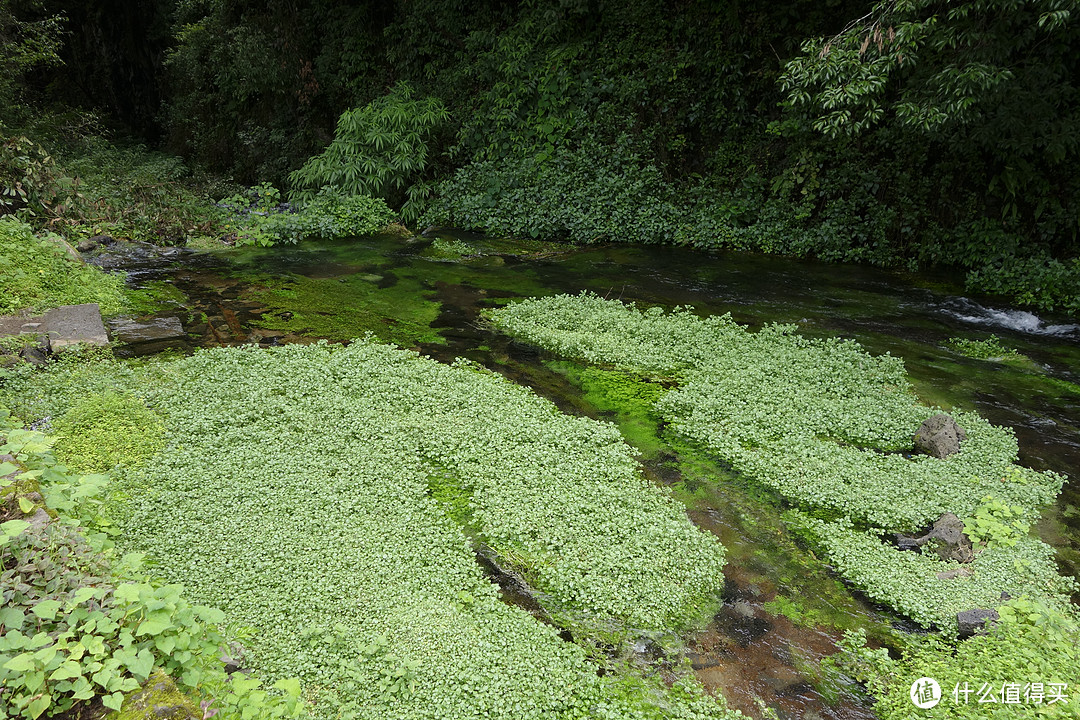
(113, 701)
(37, 707)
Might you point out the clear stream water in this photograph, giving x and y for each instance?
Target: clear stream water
(750, 650)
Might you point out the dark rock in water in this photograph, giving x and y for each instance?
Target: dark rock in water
(903, 542)
(939, 436)
(975, 622)
(93, 243)
(955, 545)
(131, 331)
(147, 337)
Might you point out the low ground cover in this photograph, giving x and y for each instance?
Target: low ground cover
(829, 428)
(325, 498)
(37, 273)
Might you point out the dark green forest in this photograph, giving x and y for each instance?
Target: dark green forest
(906, 133)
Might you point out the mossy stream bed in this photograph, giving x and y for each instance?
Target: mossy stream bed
(784, 609)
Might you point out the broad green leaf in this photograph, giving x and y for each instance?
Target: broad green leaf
(11, 528)
(113, 701)
(39, 706)
(142, 665)
(46, 609)
(152, 627)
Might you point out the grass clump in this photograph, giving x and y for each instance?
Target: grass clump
(317, 495)
(37, 273)
(257, 216)
(102, 430)
(988, 349)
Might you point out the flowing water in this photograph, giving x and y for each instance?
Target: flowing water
(784, 610)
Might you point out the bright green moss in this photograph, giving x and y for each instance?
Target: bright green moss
(102, 430)
(154, 297)
(37, 273)
(628, 397)
(343, 308)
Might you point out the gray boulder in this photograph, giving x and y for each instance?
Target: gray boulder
(954, 546)
(975, 622)
(939, 436)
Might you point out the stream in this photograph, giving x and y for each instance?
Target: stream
(784, 609)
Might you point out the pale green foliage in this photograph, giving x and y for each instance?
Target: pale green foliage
(998, 523)
(378, 150)
(988, 349)
(298, 499)
(820, 421)
(1033, 643)
(909, 581)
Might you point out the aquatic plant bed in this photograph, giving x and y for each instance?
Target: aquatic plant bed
(829, 427)
(326, 498)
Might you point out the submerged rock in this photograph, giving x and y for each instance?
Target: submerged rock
(939, 436)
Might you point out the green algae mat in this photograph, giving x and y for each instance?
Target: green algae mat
(328, 500)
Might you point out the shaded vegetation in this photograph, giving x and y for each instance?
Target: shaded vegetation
(780, 128)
